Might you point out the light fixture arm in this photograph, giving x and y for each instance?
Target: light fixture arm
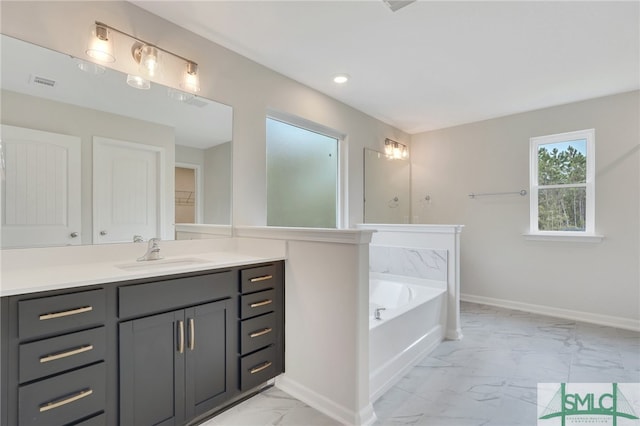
(146, 43)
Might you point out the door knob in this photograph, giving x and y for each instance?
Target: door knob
(73, 234)
(103, 232)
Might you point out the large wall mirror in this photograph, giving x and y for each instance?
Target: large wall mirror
(386, 188)
(85, 154)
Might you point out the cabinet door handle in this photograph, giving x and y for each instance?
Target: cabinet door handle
(181, 336)
(53, 315)
(192, 334)
(263, 278)
(65, 354)
(255, 370)
(261, 332)
(60, 402)
(263, 303)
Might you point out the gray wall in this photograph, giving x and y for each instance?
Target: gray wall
(217, 187)
(493, 156)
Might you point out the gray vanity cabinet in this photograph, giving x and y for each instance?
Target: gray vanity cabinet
(261, 324)
(173, 365)
(167, 350)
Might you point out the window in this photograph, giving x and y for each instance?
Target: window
(302, 176)
(562, 184)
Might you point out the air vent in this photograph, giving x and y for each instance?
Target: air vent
(397, 4)
(195, 102)
(43, 81)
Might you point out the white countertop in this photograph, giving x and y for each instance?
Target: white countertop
(34, 270)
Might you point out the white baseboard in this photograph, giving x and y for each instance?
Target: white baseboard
(365, 417)
(599, 319)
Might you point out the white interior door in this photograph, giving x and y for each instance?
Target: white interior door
(41, 188)
(126, 183)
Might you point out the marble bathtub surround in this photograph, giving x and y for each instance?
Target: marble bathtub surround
(412, 262)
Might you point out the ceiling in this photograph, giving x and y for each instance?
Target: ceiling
(431, 64)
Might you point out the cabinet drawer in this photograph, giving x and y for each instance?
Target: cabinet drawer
(259, 303)
(63, 399)
(258, 367)
(58, 354)
(256, 279)
(141, 299)
(99, 420)
(258, 332)
(60, 314)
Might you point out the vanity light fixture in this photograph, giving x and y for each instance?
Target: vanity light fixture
(190, 80)
(149, 57)
(395, 150)
(101, 44)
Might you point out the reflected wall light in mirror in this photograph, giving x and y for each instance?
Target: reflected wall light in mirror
(395, 149)
(150, 58)
(138, 82)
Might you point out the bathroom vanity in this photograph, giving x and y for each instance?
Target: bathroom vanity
(168, 348)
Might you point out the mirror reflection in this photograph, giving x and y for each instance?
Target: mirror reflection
(386, 188)
(89, 159)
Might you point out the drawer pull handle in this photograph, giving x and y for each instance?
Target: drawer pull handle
(263, 278)
(262, 367)
(192, 334)
(261, 332)
(65, 354)
(53, 315)
(181, 336)
(59, 403)
(263, 303)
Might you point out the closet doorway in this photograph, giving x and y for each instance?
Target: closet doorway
(187, 195)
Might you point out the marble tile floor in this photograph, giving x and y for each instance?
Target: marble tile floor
(489, 378)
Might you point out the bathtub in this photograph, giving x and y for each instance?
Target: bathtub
(411, 325)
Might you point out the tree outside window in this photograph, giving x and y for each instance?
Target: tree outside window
(562, 187)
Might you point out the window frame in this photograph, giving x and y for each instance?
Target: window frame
(589, 184)
(342, 212)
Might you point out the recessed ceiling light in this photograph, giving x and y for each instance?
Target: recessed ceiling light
(341, 78)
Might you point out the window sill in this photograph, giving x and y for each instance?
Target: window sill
(564, 237)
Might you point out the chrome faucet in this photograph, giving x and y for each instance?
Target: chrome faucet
(153, 251)
(138, 239)
(376, 313)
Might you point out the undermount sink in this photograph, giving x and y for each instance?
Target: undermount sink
(160, 264)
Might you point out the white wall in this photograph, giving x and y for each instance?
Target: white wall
(599, 279)
(38, 113)
(327, 319)
(226, 77)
